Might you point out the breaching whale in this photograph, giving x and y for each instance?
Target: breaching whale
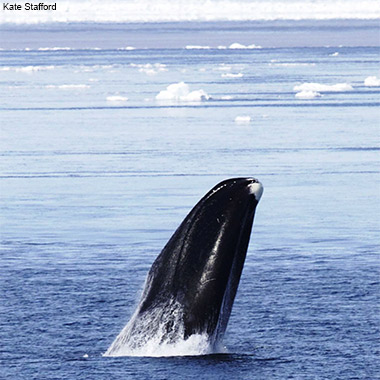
(191, 286)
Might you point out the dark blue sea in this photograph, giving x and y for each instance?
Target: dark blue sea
(97, 170)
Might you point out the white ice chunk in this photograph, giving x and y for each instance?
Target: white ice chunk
(307, 94)
(197, 47)
(231, 75)
(244, 119)
(116, 98)
(181, 92)
(236, 45)
(372, 82)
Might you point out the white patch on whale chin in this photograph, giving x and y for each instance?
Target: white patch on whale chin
(256, 188)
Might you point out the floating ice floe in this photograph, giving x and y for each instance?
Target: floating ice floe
(334, 54)
(55, 48)
(197, 47)
(181, 92)
(26, 69)
(372, 82)
(231, 75)
(244, 119)
(116, 98)
(236, 45)
(227, 97)
(305, 94)
(317, 87)
(150, 69)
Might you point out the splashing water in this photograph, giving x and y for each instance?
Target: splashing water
(160, 332)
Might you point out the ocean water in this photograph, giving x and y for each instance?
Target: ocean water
(96, 174)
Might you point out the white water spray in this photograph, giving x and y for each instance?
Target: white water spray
(160, 332)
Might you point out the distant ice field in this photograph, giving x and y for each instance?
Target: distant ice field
(210, 35)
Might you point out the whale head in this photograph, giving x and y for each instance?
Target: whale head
(201, 265)
(191, 286)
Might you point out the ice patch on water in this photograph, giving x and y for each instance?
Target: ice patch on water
(27, 69)
(236, 45)
(127, 48)
(243, 119)
(116, 98)
(55, 48)
(372, 82)
(68, 86)
(334, 54)
(306, 94)
(150, 69)
(180, 92)
(317, 87)
(231, 75)
(197, 47)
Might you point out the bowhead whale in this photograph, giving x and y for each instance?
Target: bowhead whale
(191, 286)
